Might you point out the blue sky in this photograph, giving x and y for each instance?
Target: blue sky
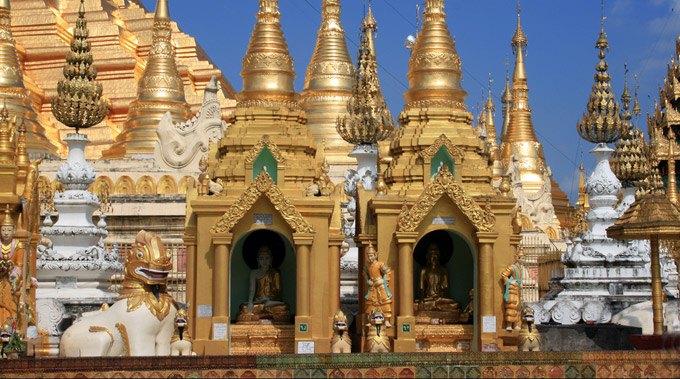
(560, 62)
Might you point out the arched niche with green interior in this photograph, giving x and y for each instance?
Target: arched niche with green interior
(246, 248)
(266, 159)
(442, 157)
(456, 254)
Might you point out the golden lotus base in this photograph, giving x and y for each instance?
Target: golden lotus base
(444, 338)
(262, 339)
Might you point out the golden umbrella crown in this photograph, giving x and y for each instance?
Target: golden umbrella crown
(79, 102)
(602, 122)
(369, 120)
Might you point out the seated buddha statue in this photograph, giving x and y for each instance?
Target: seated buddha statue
(434, 290)
(264, 293)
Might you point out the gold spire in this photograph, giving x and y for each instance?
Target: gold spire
(506, 99)
(369, 120)
(520, 137)
(490, 108)
(159, 90)
(328, 85)
(268, 75)
(7, 126)
(79, 103)
(12, 88)
(602, 123)
(434, 67)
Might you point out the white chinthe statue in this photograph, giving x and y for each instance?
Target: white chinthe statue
(142, 320)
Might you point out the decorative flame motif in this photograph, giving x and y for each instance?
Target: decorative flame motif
(79, 103)
(369, 119)
(602, 123)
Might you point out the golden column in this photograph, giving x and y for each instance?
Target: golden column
(328, 87)
(159, 90)
(13, 92)
(220, 316)
(303, 317)
(406, 321)
(334, 245)
(189, 239)
(520, 137)
(487, 280)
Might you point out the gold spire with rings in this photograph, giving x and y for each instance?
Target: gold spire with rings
(369, 120)
(328, 85)
(79, 102)
(602, 123)
(629, 161)
(7, 126)
(159, 90)
(520, 136)
(435, 67)
(12, 89)
(268, 73)
(490, 108)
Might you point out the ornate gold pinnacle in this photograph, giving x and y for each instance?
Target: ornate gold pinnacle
(79, 103)
(369, 119)
(268, 75)
(7, 126)
(629, 161)
(435, 67)
(602, 122)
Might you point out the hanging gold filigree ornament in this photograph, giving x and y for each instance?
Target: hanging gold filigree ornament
(79, 102)
(369, 120)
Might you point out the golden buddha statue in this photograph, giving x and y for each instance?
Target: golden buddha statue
(264, 293)
(434, 290)
(11, 266)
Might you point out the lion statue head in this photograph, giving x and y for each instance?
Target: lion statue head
(148, 261)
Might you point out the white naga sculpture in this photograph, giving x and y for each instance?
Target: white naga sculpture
(142, 320)
(181, 146)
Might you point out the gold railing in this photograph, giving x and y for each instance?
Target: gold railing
(176, 280)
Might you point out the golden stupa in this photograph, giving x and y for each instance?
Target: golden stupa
(121, 36)
(266, 164)
(328, 87)
(159, 90)
(520, 137)
(16, 97)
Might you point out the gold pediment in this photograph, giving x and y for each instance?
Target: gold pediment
(444, 184)
(262, 185)
(265, 142)
(455, 151)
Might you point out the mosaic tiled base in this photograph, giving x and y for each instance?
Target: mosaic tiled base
(623, 364)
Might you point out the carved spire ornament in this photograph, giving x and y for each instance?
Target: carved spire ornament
(268, 74)
(369, 119)
(520, 137)
(435, 67)
(328, 85)
(12, 89)
(79, 103)
(630, 162)
(602, 122)
(159, 90)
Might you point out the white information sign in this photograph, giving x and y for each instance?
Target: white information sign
(219, 331)
(489, 324)
(263, 219)
(443, 220)
(204, 311)
(305, 347)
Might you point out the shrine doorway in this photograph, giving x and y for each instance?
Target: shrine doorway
(457, 255)
(244, 260)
